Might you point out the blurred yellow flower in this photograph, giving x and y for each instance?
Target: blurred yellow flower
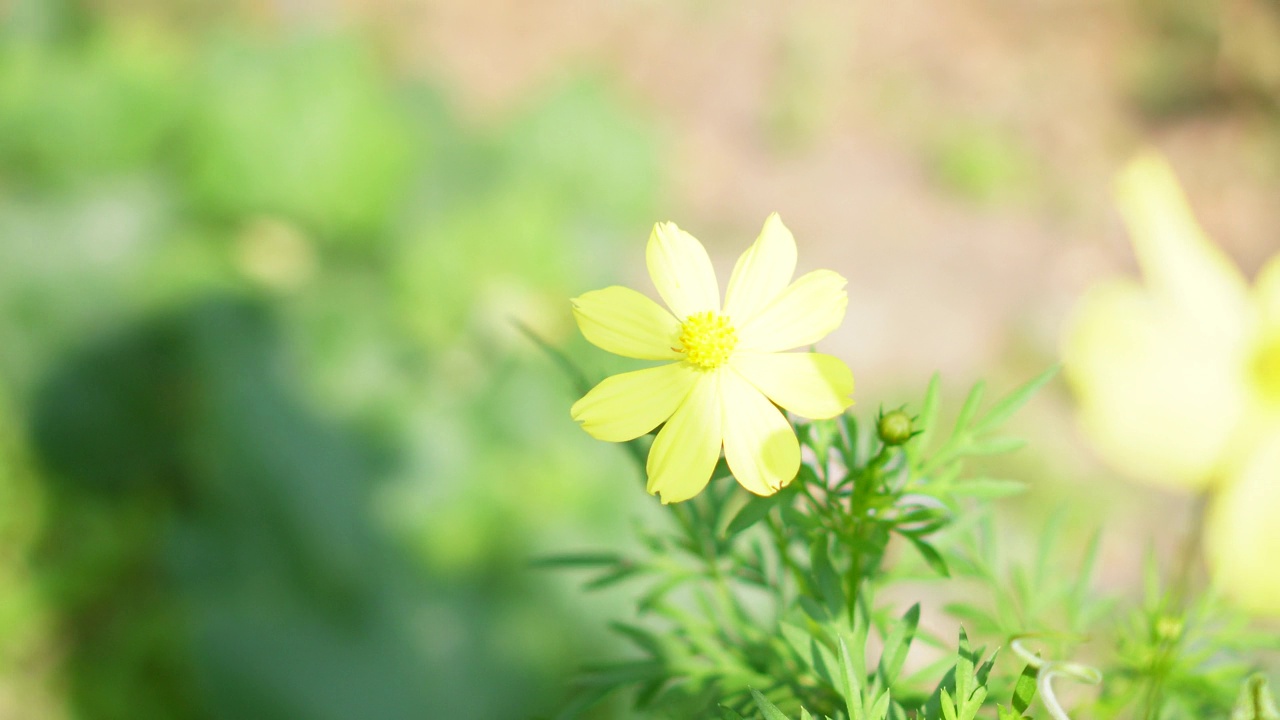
(1178, 378)
(729, 367)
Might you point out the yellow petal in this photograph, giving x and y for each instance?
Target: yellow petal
(762, 272)
(1178, 261)
(626, 323)
(759, 444)
(624, 407)
(1242, 533)
(1157, 398)
(811, 385)
(805, 312)
(1267, 291)
(684, 454)
(681, 271)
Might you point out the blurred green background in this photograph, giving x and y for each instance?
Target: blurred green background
(271, 443)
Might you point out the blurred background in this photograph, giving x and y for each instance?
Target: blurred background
(271, 444)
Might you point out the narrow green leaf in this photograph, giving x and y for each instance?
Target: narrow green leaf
(970, 407)
(1004, 713)
(825, 577)
(848, 440)
(824, 661)
(579, 379)
(1255, 701)
(994, 446)
(971, 706)
(880, 708)
(948, 707)
(612, 577)
(583, 559)
(798, 639)
(930, 555)
(642, 638)
(850, 683)
(1025, 690)
(988, 488)
(804, 714)
(928, 418)
(984, 670)
(965, 660)
(768, 709)
(897, 644)
(753, 512)
(585, 699)
(1014, 401)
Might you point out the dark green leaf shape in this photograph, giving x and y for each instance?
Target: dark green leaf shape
(1025, 689)
(768, 709)
(753, 512)
(1014, 401)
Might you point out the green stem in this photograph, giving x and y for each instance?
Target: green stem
(1179, 597)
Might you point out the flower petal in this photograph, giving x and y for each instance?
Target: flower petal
(1267, 291)
(809, 309)
(1179, 263)
(811, 385)
(759, 444)
(1157, 397)
(624, 407)
(684, 454)
(1242, 537)
(762, 272)
(681, 270)
(626, 323)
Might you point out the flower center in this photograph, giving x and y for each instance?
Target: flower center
(707, 339)
(1266, 369)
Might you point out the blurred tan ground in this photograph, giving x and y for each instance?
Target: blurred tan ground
(829, 112)
(843, 115)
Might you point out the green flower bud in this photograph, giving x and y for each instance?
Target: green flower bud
(894, 428)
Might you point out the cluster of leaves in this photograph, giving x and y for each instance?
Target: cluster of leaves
(189, 533)
(769, 605)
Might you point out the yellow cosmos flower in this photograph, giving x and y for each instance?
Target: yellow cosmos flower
(728, 368)
(1178, 379)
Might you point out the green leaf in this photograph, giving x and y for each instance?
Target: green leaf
(994, 446)
(825, 577)
(880, 708)
(848, 440)
(1014, 401)
(768, 709)
(930, 555)
(1024, 691)
(584, 559)
(1255, 701)
(970, 407)
(850, 683)
(928, 418)
(988, 488)
(753, 512)
(566, 364)
(1004, 713)
(897, 644)
(948, 706)
(642, 638)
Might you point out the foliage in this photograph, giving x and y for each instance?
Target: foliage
(790, 606)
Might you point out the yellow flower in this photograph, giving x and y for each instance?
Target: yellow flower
(1178, 378)
(729, 369)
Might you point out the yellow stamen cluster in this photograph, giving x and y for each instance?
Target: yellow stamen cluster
(707, 339)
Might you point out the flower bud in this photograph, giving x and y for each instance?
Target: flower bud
(894, 428)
